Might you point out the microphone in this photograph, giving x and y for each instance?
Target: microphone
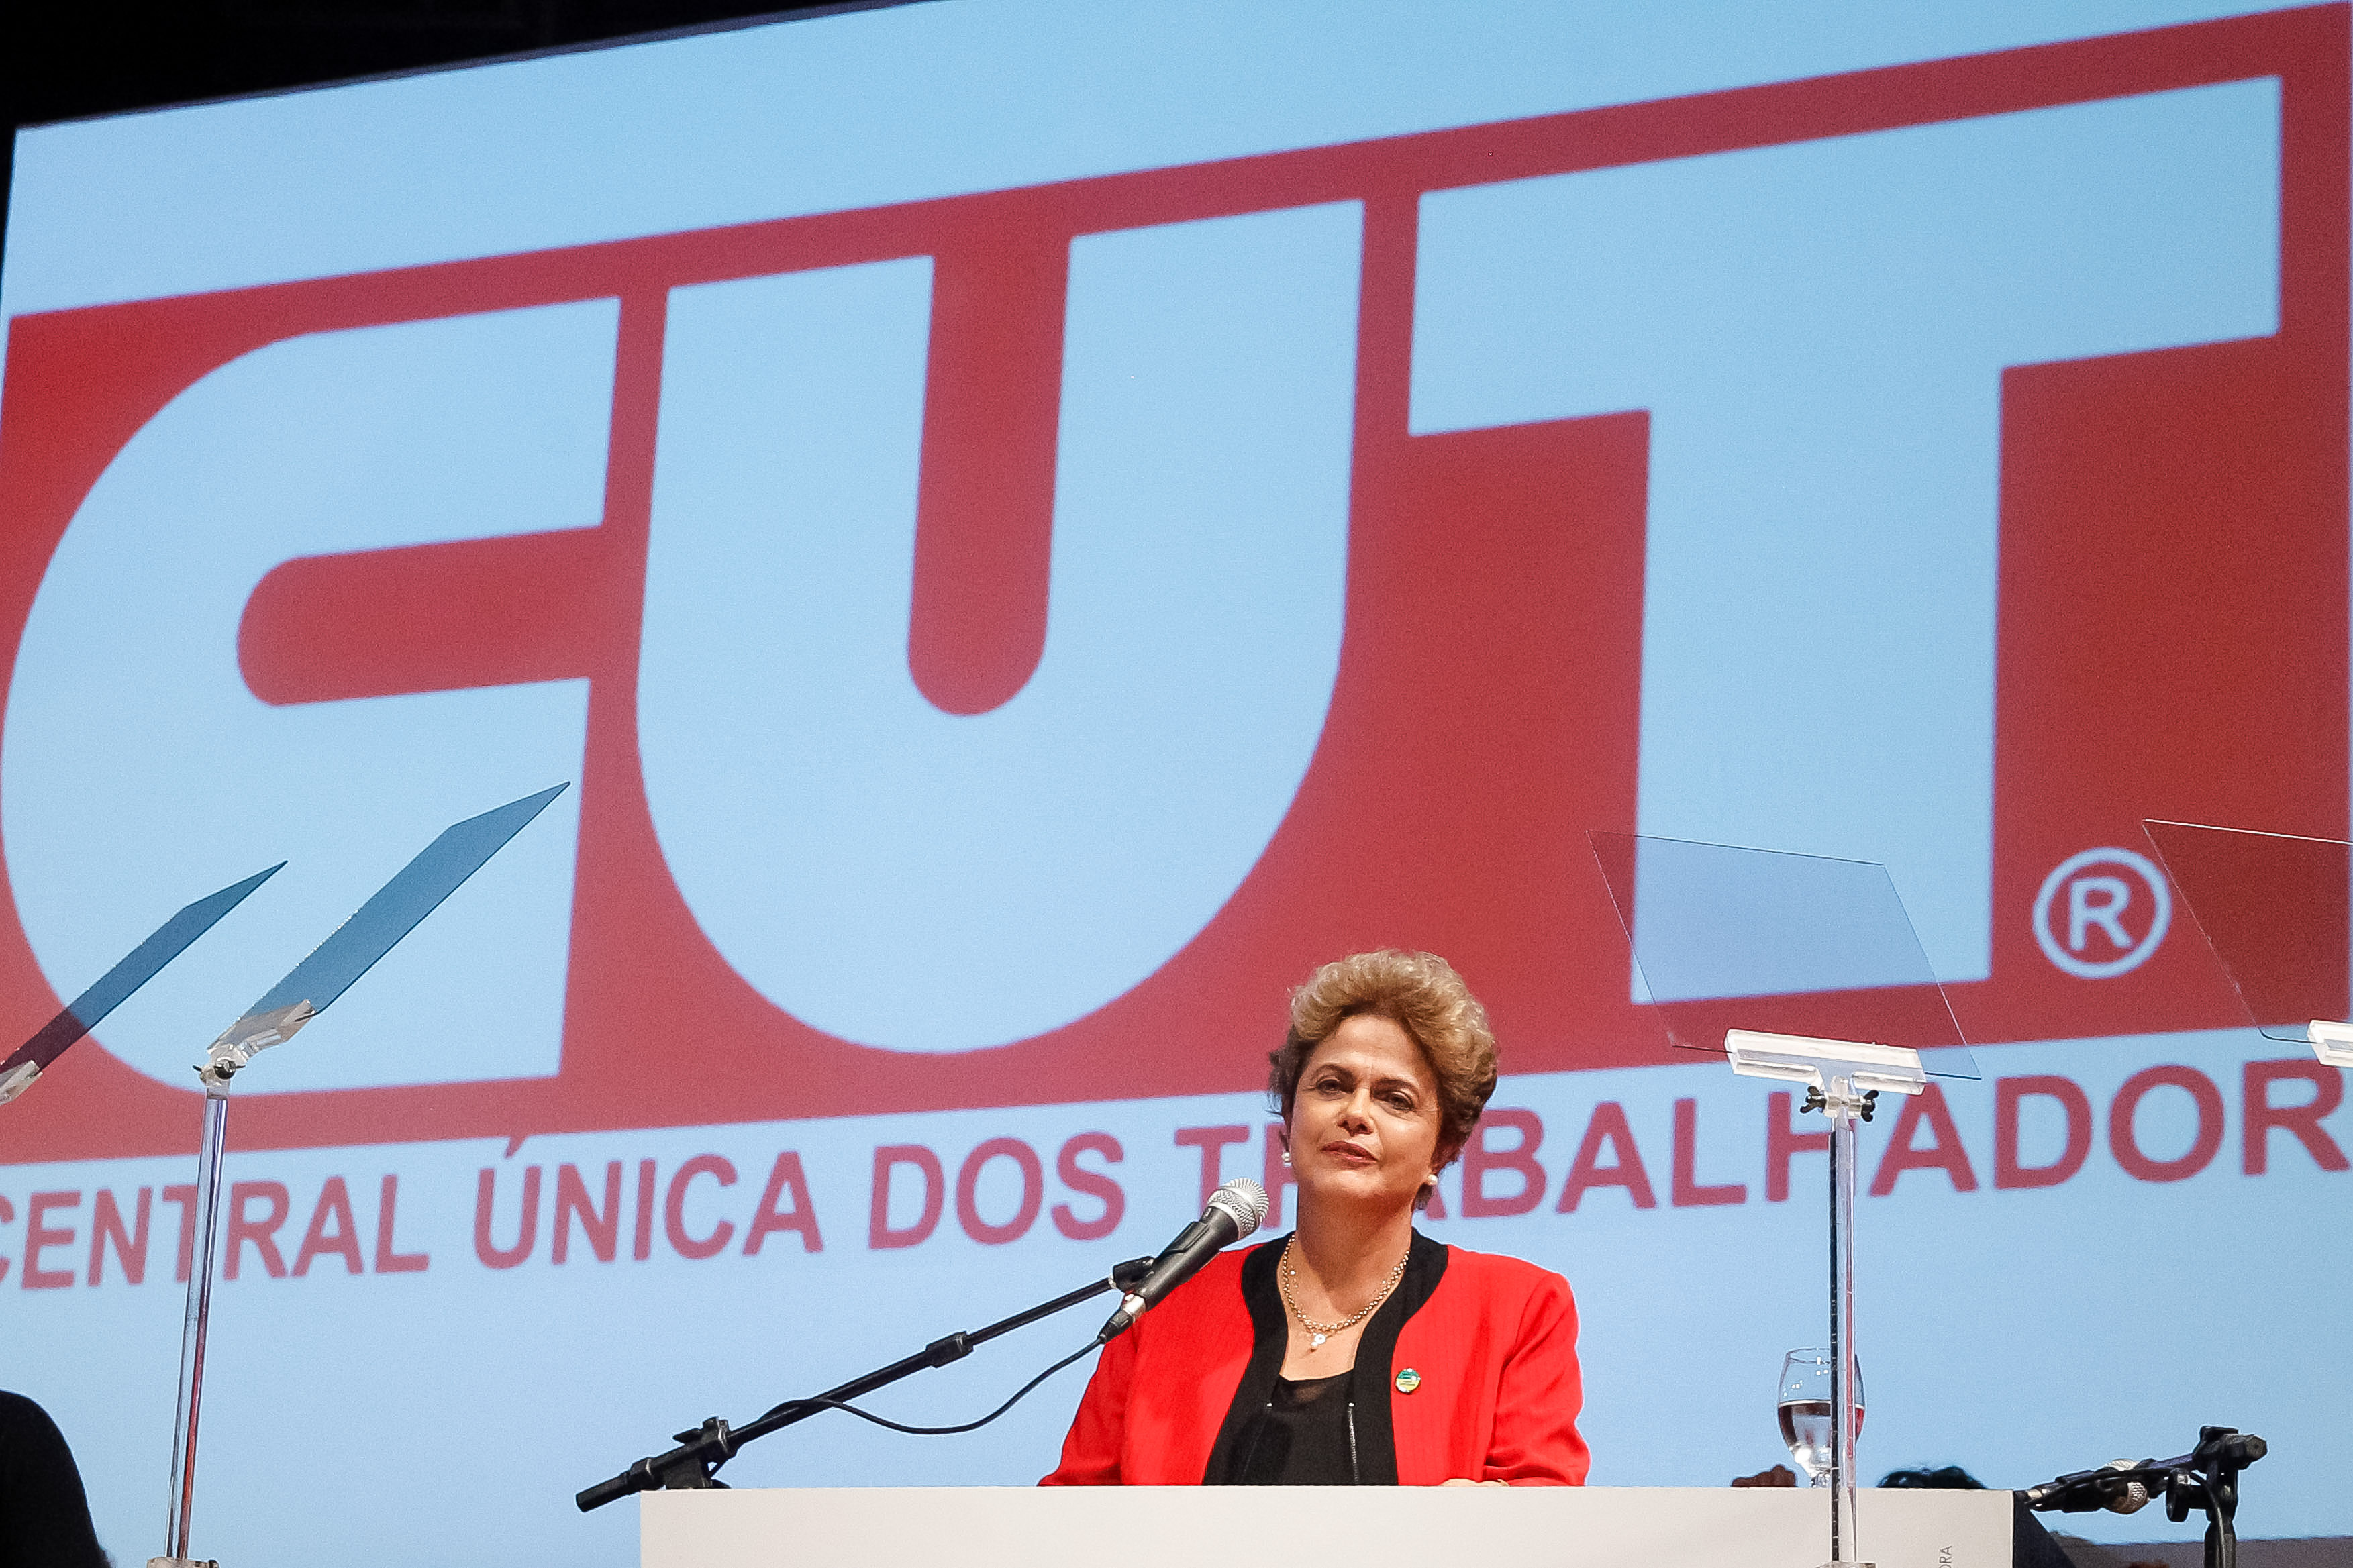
(2117, 1486)
(1234, 1211)
(2124, 1486)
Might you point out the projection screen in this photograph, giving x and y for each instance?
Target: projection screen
(1031, 525)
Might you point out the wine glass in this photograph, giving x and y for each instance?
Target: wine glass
(1805, 1410)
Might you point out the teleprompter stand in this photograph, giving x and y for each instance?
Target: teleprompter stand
(1844, 1080)
(1804, 969)
(25, 1066)
(308, 990)
(694, 1463)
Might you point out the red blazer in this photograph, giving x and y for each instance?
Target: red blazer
(1492, 1341)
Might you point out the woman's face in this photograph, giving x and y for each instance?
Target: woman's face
(1364, 1118)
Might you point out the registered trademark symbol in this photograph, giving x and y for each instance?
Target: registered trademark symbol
(2098, 909)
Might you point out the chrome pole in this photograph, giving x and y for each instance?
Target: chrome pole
(198, 1316)
(1842, 1103)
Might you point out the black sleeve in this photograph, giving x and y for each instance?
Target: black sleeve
(44, 1517)
(2030, 1545)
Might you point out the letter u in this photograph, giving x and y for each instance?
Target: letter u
(527, 1228)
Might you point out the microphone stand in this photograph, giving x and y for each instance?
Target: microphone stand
(694, 1464)
(2210, 1480)
(2206, 1478)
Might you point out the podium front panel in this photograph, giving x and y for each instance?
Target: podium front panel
(1084, 1527)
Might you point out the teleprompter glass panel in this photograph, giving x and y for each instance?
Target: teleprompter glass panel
(396, 907)
(2274, 909)
(135, 969)
(1729, 938)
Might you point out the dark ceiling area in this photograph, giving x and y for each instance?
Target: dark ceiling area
(68, 59)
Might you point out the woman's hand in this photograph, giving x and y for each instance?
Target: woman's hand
(1467, 1481)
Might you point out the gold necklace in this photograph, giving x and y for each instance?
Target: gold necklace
(1318, 1332)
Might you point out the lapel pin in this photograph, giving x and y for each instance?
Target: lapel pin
(1407, 1380)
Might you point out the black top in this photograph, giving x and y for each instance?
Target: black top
(1367, 1384)
(1304, 1436)
(43, 1520)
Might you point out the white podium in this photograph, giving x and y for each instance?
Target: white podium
(1085, 1527)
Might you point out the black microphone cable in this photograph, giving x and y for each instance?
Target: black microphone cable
(1018, 1395)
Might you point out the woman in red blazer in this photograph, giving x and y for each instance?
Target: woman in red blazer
(1355, 1350)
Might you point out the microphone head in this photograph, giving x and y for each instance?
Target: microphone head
(2134, 1495)
(1244, 1200)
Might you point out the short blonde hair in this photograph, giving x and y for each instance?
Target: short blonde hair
(1421, 994)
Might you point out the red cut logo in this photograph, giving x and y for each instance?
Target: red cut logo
(1350, 685)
